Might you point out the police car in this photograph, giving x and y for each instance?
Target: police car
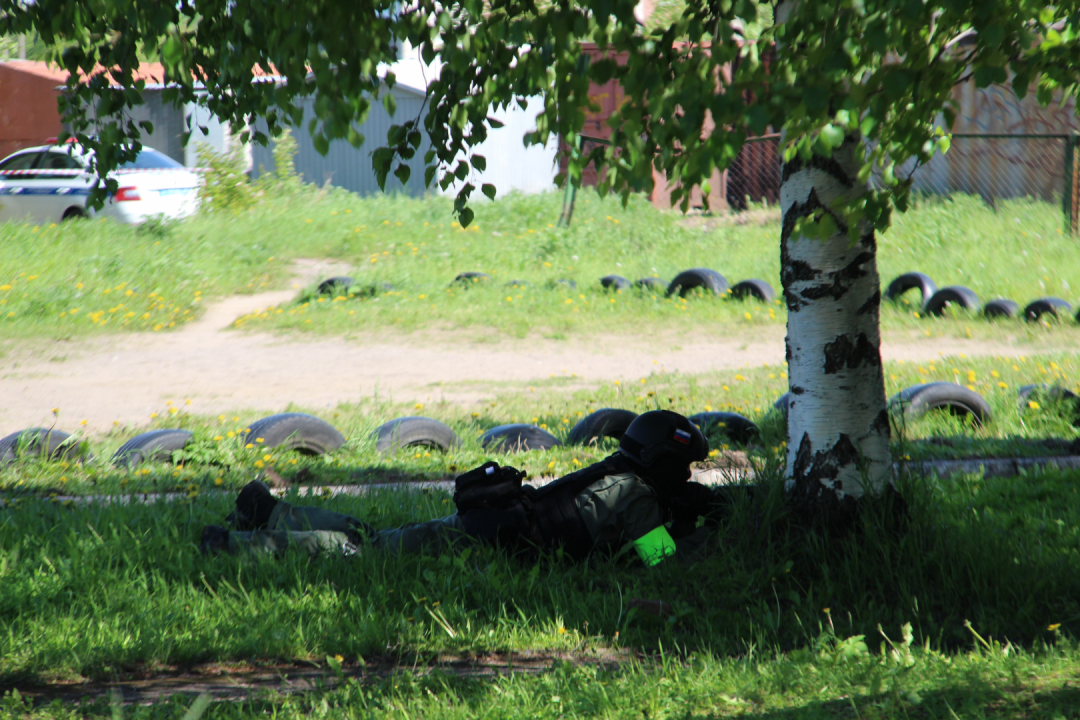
(51, 183)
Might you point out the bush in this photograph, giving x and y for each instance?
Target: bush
(225, 182)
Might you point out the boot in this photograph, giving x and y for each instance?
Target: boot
(254, 505)
(214, 540)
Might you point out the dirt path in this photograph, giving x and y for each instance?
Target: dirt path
(124, 378)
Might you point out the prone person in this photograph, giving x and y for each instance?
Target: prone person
(642, 494)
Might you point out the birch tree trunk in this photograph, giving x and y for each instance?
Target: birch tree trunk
(838, 421)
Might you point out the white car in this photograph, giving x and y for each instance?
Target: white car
(51, 183)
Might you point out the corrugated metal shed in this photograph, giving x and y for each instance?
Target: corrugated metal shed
(345, 166)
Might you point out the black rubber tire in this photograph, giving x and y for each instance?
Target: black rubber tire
(563, 283)
(304, 433)
(1053, 393)
(614, 282)
(73, 213)
(336, 285)
(732, 425)
(414, 431)
(1001, 307)
(757, 289)
(781, 403)
(153, 446)
(912, 281)
(654, 284)
(467, 279)
(518, 438)
(952, 295)
(917, 400)
(693, 278)
(30, 441)
(1047, 305)
(605, 422)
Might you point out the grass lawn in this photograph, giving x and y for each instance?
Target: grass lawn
(93, 277)
(969, 612)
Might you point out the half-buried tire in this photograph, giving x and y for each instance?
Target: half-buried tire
(1052, 394)
(334, 285)
(605, 422)
(653, 284)
(755, 288)
(467, 279)
(518, 438)
(731, 425)
(911, 281)
(712, 281)
(614, 282)
(781, 403)
(304, 433)
(1001, 308)
(917, 400)
(153, 446)
(952, 295)
(1047, 306)
(39, 442)
(415, 431)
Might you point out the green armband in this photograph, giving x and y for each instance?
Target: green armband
(655, 545)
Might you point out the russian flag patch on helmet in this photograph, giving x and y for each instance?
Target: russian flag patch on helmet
(682, 436)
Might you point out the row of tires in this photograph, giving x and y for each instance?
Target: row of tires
(310, 435)
(934, 301)
(917, 400)
(709, 281)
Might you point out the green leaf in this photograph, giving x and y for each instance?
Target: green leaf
(479, 162)
(489, 190)
(172, 52)
(832, 136)
(896, 83)
(987, 76)
(465, 217)
(403, 172)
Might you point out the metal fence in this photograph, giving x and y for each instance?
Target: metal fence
(994, 167)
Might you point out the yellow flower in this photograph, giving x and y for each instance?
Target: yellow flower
(267, 458)
(746, 315)
(418, 406)
(218, 481)
(1053, 626)
(217, 438)
(1033, 405)
(1003, 385)
(259, 463)
(249, 446)
(153, 415)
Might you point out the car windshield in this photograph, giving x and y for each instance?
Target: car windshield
(151, 160)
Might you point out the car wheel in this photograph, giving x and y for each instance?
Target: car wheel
(41, 442)
(518, 438)
(693, 278)
(605, 422)
(1046, 306)
(651, 283)
(1001, 308)
(731, 425)
(153, 446)
(952, 295)
(335, 285)
(911, 281)
(73, 213)
(467, 279)
(614, 282)
(757, 289)
(414, 431)
(917, 400)
(296, 431)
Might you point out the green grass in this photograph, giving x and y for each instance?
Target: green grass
(75, 279)
(557, 404)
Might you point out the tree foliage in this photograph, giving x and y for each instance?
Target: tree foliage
(883, 69)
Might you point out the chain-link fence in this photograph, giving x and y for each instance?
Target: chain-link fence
(992, 166)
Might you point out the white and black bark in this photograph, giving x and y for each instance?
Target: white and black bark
(838, 421)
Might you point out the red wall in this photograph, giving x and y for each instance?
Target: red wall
(28, 114)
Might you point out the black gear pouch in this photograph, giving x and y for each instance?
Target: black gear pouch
(488, 487)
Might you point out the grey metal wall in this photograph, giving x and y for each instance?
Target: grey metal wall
(345, 166)
(168, 123)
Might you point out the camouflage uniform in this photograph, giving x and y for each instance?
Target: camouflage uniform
(616, 509)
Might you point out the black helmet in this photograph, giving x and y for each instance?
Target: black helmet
(662, 432)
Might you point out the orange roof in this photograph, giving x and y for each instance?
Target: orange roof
(150, 72)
